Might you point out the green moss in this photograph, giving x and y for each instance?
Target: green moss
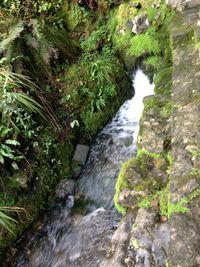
(142, 164)
(145, 43)
(163, 81)
(166, 207)
(135, 243)
(75, 16)
(122, 184)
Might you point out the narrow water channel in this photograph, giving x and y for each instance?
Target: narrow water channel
(75, 240)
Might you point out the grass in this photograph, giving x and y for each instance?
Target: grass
(144, 43)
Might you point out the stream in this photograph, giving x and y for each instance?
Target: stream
(75, 239)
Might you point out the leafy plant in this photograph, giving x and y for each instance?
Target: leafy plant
(14, 105)
(7, 221)
(30, 46)
(89, 93)
(96, 39)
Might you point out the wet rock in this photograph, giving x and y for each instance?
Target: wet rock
(65, 188)
(140, 24)
(79, 159)
(149, 241)
(119, 244)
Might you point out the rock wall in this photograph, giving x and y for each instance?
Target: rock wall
(165, 229)
(185, 172)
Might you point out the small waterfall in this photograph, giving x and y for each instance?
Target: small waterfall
(74, 240)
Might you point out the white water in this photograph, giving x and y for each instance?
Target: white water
(64, 242)
(115, 144)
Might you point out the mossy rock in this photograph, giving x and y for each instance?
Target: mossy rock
(139, 177)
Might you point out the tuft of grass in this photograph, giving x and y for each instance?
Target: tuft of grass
(6, 221)
(144, 43)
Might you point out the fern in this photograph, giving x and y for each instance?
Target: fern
(14, 32)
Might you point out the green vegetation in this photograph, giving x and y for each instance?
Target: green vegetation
(121, 184)
(61, 80)
(166, 207)
(50, 97)
(140, 167)
(88, 94)
(145, 43)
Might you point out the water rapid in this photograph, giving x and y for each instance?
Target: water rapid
(77, 240)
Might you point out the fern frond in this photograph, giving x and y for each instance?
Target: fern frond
(31, 41)
(40, 70)
(17, 56)
(14, 33)
(60, 39)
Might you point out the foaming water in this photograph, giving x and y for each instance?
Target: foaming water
(67, 240)
(114, 145)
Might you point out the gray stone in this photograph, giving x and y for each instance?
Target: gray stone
(155, 129)
(185, 240)
(149, 242)
(185, 190)
(81, 154)
(140, 24)
(65, 188)
(119, 244)
(79, 159)
(180, 5)
(129, 198)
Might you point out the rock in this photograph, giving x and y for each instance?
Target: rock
(65, 188)
(185, 190)
(120, 242)
(117, 2)
(180, 5)
(154, 129)
(81, 154)
(130, 198)
(140, 24)
(149, 241)
(79, 159)
(184, 227)
(185, 240)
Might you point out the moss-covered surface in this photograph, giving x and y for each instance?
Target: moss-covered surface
(155, 54)
(144, 173)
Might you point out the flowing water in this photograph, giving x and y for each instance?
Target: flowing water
(74, 240)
